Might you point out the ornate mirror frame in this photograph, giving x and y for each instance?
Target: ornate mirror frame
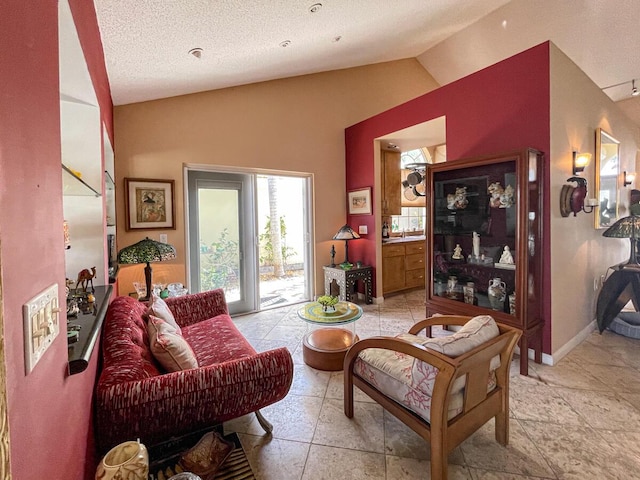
(607, 173)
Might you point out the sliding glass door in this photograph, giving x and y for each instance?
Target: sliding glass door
(221, 233)
(235, 243)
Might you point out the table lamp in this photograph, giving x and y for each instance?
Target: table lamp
(627, 227)
(346, 233)
(146, 251)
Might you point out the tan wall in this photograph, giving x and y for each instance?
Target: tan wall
(579, 252)
(295, 124)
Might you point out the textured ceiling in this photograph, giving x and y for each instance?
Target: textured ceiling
(146, 42)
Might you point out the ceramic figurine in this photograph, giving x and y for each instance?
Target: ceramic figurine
(497, 293)
(85, 277)
(457, 200)
(457, 252)
(476, 245)
(506, 255)
(496, 191)
(506, 199)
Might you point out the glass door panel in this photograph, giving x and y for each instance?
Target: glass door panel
(221, 234)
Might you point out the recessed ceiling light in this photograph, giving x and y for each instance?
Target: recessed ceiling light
(315, 8)
(196, 52)
(286, 43)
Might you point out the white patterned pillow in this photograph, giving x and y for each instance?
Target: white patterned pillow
(160, 309)
(474, 333)
(168, 347)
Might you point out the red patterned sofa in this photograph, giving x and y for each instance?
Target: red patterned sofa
(136, 399)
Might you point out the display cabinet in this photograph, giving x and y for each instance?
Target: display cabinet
(484, 237)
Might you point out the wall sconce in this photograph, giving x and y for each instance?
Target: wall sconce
(580, 161)
(628, 178)
(573, 199)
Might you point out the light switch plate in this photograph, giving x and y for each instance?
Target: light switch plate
(362, 229)
(163, 237)
(41, 317)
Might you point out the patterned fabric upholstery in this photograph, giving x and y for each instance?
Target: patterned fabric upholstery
(410, 382)
(135, 399)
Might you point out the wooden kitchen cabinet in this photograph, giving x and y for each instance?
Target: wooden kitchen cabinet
(403, 266)
(391, 183)
(414, 265)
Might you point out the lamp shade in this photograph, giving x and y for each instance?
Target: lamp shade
(346, 233)
(627, 227)
(146, 251)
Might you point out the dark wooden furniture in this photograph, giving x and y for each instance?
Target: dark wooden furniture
(347, 280)
(519, 226)
(622, 287)
(479, 406)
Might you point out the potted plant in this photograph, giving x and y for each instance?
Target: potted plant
(328, 303)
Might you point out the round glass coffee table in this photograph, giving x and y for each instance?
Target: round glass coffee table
(326, 345)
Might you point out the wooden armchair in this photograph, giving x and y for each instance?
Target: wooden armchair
(443, 395)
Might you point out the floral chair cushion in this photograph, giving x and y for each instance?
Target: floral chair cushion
(410, 381)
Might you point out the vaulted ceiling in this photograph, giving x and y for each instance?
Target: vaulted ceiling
(149, 45)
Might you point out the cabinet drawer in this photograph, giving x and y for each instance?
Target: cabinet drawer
(414, 262)
(414, 278)
(392, 251)
(415, 247)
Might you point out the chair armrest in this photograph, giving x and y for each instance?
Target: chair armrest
(196, 307)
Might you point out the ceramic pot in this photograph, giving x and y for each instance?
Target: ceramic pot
(497, 292)
(127, 461)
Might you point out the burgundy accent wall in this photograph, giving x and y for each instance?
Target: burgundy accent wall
(50, 413)
(501, 108)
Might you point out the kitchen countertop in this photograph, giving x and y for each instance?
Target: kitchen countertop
(410, 238)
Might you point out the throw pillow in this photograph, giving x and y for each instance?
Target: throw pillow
(160, 309)
(168, 347)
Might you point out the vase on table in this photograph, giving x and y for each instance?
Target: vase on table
(127, 461)
(497, 292)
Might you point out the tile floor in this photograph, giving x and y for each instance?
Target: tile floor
(577, 420)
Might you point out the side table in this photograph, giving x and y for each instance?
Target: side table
(347, 279)
(324, 347)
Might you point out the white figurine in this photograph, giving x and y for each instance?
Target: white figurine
(506, 255)
(457, 252)
(476, 245)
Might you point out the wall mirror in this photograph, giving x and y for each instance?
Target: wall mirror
(607, 168)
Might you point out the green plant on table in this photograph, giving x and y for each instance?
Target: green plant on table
(327, 301)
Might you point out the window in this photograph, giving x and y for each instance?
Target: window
(411, 220)
(413, 156)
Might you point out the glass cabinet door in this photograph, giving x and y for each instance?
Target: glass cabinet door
(474, 219)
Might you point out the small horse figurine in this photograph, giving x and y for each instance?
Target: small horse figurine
(85, 277)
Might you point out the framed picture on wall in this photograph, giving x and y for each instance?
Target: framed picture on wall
(360, 201)
(149, 204)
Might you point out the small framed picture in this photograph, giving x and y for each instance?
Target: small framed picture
(149, 204)
(360, 201)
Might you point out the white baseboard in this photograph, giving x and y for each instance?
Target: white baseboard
(566, 348)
